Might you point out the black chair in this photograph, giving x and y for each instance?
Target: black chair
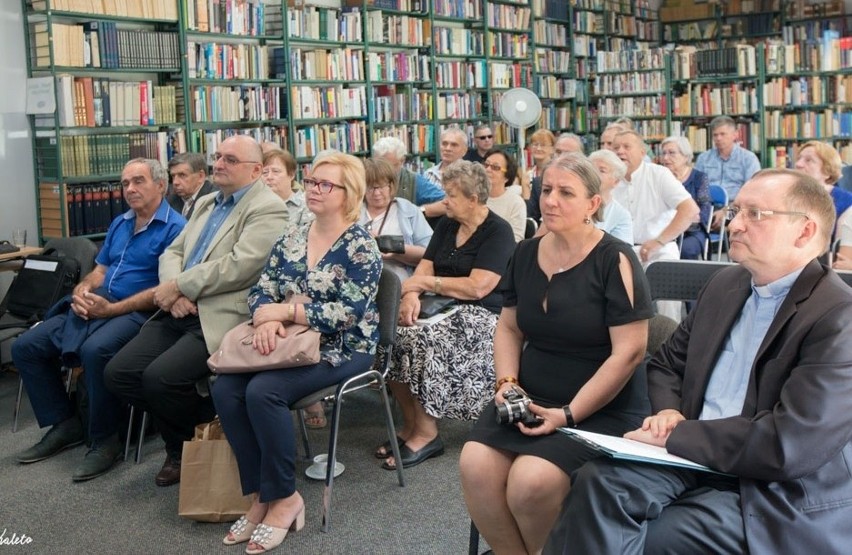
(530, 229)
(680, 280)
(84, 252)
(388, 300)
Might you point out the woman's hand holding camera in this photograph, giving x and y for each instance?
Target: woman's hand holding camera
(550, 420)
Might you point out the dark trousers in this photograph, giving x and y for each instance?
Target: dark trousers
(255, 413)
(157, 372)
(616, 507)
(37, 356)
(693, 245)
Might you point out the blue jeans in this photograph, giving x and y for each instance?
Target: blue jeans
(37, 357)
(255, 413)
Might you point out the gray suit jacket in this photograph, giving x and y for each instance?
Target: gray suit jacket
(791, 446)
(177, 203)
(219, 285)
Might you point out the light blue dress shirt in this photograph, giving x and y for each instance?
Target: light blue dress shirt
(729, 174)
(726, 389)
(222, 209)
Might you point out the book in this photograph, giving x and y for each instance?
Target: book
(442, 315)
(631, 450)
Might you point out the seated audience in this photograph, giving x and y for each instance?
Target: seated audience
(411, 186)
(189, 181)
(502, 170)
(382, 213)
(205, 275)
(756, 384)
(616, 218)
(335, 263)
(452, 147)
(279, 174)
(676, 155)
(572, 330)
(445, 369)
(541, 150)
(483, 141)
(105, 311)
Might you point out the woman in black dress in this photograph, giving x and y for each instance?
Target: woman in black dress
(572, 330)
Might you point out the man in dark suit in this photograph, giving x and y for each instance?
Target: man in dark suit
(189, 182)
(757, 384)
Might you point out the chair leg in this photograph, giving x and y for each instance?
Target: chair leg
(17, 404)
(143, 427)
(473, 540)
(332, 463)
(309, 457)
(129, 432)
(391, 431)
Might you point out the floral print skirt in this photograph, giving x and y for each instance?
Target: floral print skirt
(449, 365)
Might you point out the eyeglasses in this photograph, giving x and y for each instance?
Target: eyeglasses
(756, 214)
(374, 188)
(322, 186)
(495, 167)
(484, 137)
(539, 145)
(232, 160)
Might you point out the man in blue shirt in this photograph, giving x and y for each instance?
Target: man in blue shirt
(756, 384)
(104, 312)
(412, 186)
(727, 164)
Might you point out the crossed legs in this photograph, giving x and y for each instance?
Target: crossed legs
(513, 499)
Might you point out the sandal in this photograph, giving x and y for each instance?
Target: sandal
(267, 537)
(240, 531)
(385, 450)
(315, 421)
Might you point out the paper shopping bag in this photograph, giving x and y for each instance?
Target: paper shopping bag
(209, 478)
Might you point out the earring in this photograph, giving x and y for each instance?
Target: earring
(587, 220)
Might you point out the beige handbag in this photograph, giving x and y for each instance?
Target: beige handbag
(236, 354)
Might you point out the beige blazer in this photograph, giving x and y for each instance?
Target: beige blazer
(219, 285)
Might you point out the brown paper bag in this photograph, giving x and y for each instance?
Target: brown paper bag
(209, 478)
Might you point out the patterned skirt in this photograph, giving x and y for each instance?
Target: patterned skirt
(449, 365)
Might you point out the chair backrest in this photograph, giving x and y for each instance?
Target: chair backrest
(80, 249)
(718, 196)
(660, 328)
(388, 299)
(680, 280)
(531, 228)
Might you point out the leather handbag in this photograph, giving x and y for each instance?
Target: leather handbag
(431, 305)
(236, 355)
(391, 244)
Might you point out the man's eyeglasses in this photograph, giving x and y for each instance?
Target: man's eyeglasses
(756, 214)
(495, 167)
(232, 160)
(322, 186)
(484, 137)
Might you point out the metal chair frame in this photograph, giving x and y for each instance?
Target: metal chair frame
(719, 197)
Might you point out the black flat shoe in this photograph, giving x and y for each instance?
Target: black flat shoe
(388, 450)
(434, 448)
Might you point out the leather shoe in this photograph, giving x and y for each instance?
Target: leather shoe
(434, 448)
(169, 475)
(61, 436)
(99, 460)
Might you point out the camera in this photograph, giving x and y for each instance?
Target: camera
(515, 408)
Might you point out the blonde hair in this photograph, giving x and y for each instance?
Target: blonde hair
(543, 135)
(353, 177)
(832, 165)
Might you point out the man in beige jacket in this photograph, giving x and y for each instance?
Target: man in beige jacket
(205, 276)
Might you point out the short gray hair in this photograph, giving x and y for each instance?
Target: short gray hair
(580, 166)
(608, 157)
(682, 144)
(573, 137)
(155, 168)
(721, 121)
(389, 145)
(469, 177)
(455, 130)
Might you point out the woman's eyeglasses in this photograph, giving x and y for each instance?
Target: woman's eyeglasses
(322, 186)
(495, 167)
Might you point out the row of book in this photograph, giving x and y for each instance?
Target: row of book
(234, 17)
(631, 60)
(335, 101)
(398, 30)
(398, 66)
(212, 60)
(651, 82)
(712, 100)
(457, 41)
(89, 208)
(458, 105)
(829, 122)
(506, 75)
(466, 9)
(207, 140)
(560, 88)
(689, 63)
(348, 137)
(141, 9)
(223, 103)
(508, 45)
(551, 9)
(100, 102)
(339, 64)
(505, 16)
(810, 30)
(311, 22)
(807, 91)
(417, 138)
(585, 46)
(393, 106)
(642, 106)
(552, 61)
(460, 75)
(550, 34)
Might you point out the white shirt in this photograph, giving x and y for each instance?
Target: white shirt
(651, 196)
(513, 209)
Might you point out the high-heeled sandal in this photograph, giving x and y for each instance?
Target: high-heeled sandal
(269, 537)
(240, 531)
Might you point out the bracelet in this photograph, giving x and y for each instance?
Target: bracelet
(437, 285)
(505, 380)
(569, 418)
(291, 314)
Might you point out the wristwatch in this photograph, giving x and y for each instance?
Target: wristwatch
(569, 418)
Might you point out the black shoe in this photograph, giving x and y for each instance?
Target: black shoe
(99, 460)
(434, 448)
(61, 436)
(170, 473)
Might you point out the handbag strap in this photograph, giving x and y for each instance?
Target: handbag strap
(385, 217)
